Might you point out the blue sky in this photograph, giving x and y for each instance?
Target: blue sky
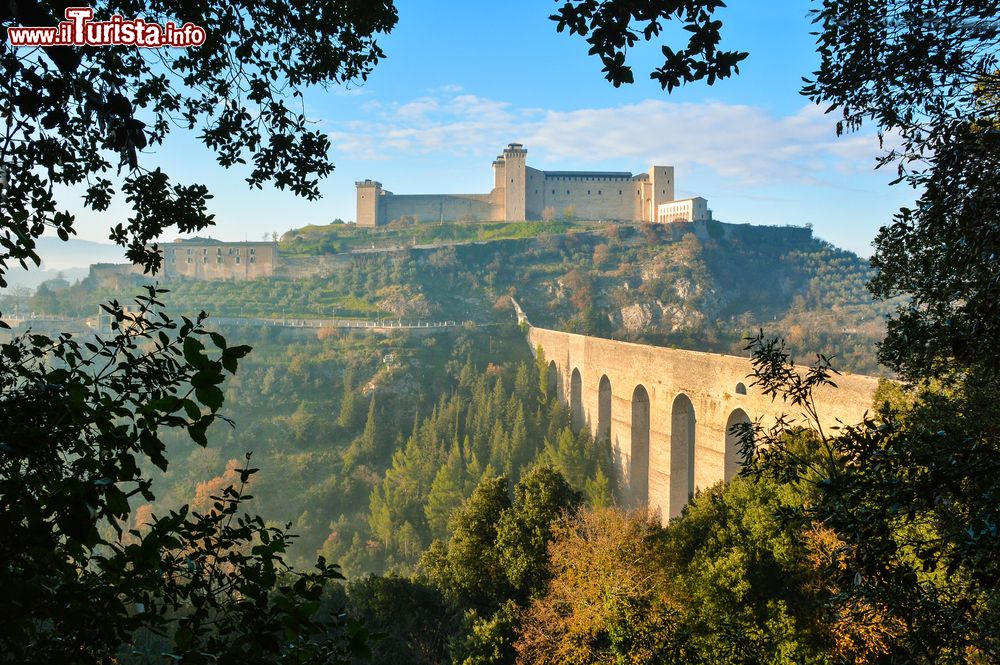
(462, 79)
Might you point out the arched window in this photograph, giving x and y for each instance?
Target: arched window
(741, 389)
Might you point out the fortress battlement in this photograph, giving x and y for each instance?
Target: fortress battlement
(521, 192)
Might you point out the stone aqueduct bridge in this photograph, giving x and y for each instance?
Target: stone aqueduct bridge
(668, 411)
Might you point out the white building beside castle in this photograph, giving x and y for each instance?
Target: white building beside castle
(521, 192)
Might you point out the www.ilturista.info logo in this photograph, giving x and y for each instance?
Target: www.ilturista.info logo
(80, 30)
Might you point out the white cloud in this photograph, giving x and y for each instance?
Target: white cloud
(747, 144)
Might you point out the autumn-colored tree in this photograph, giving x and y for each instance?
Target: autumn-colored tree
(610, 597)
(601, 255)
(205, 491)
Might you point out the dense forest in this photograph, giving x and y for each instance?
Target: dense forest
(375, 440)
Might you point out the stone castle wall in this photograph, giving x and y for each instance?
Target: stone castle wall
(590, 197)
(521, 192)
(438, 207)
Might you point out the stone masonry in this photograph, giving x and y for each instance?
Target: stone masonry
(521, 192)
(668, 411)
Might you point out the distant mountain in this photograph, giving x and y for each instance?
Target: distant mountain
(76, 253)
(72, 258)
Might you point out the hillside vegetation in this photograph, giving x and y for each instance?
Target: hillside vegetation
(702, 288)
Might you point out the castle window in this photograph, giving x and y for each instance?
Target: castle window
(598, 192)
(512, 180)
(189, 258)
(218, 250)
(204, 259)
(205, 251)
(588, 192)
(253, 259)
(619, 192)
(553, 192)
(237, 251)
(189, 251)
(218, 259)
(237, 259)
(253, 250)
(567, 191)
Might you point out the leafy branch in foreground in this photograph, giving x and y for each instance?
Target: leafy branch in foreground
(81, 420)
(611, 27)
(82, 117)
(909, 496)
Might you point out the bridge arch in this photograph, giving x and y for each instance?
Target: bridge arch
(553, 381)
(576, 398)
(682, 452)
(604, 408)
(732, 454)
(639, 455)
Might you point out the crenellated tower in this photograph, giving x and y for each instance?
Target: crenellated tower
(661, 179)
(514, 164)
(369, 194)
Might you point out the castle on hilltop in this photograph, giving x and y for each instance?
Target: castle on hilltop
(521, 193)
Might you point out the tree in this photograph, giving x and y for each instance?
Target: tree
(73, 115)
(908, 495)
(473, 569)
(928, 74)
(410, 615)
(524, 531)
(912, 492)
(607, 27)
(81, 423)
(610, 597)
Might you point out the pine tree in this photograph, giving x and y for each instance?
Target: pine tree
(348, 402)
(521, 452)
(597, 491)
(568, 457)
(447, 493)
(500, 448)
(523, 388)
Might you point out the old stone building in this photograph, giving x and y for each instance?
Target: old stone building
(521, 192)
(209, 259)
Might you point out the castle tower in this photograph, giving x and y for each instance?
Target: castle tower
(498, 173)
(514, 156)
(661, 179)
(369, 193)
